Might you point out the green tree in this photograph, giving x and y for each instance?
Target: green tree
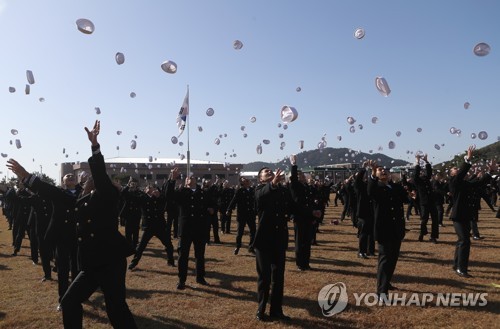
(45, 178)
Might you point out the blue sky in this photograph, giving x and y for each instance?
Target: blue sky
(424, 49)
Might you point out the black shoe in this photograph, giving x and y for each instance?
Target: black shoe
(476, 237)
(46, 278)
(420, 238)
(251, 250)
(463, 274)
(433, 240)
(132, 266)
(391, 287)
(261, 317)
(181, 286)
(309, 268)
(280, 316)
(202, 281)
(236, 251)
(14, 253)
(370, 254)
(171, 263)
(362, 255)
(301, 268)
(217, 242)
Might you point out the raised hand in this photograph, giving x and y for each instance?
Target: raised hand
(278, 176)
(493, 166)
(175, 173)
(373, 165)
(470, 150)
(17, 169)
(92, 134)
(293, 159)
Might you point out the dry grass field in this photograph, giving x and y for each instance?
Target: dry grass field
(230, 300)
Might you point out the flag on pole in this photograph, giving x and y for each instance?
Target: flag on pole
(183, 113)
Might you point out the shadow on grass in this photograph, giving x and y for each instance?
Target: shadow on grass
(156, 322)
(2, 255)
(163, 322)
(338, 262)
(141, 271)
(472, 263)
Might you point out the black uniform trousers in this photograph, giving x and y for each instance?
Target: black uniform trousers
(225, 223)
(462, 248)
(173, 222)
(388, 254)
(411, 204)
(440, 212)
(242, 222)
(21, 234)
(46, 249)
(46, 255)
(338, 196)
(161, 233)
(111, 280)
(365, 235)
(66, 260)
(213, 223)
(347, 208)
(185, 241)
(132, 230)
(304, 232)
(271, 276)
(425, 211)
(473, 224)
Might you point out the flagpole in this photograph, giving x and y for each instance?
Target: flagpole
(188, 152)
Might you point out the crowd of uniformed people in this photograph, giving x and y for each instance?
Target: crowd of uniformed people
(74, 231)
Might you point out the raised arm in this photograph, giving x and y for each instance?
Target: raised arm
(170, 190)
(35, 184)
(467, 164)
(102, 182)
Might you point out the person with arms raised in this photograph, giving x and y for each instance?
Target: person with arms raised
(102, 250)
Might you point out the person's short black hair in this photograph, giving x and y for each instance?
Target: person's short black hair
(261, 170)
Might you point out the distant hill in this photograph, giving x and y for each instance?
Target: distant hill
(307, 160)
(488, 152)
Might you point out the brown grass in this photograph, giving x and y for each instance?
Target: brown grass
(230, 301)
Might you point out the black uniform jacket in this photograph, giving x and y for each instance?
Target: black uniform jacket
(388, 212)
(462, 192)
(273, 206)
(193, 207)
